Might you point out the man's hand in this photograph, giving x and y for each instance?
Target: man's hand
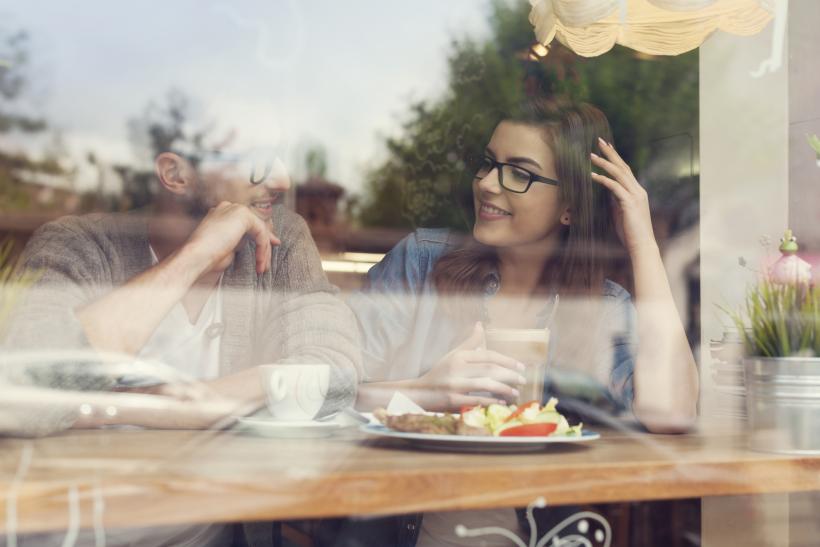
(222, 230)
(148, 297)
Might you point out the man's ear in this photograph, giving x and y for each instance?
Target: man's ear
(174, 173)
(566, 217)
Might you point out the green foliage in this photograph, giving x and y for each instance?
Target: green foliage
(16, 168)
(780, 320)
(647, 101)
(13, 194)
(14, 53)
(814, 142)
(13, 281)
(316, 162)
(427, 165)
(426, 174)
(171, 125)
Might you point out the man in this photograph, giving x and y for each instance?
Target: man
(217, 279)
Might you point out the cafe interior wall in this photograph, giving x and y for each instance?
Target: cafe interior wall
(757, 176)
(758, 173)
(744, 170)
(804, 120)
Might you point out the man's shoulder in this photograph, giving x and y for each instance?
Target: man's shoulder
(294, 232)
(94, 225)
(102, 235)
(287, 219)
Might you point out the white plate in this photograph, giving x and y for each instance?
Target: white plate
(470, 443)
(267, 427)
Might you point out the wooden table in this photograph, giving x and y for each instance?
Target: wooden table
(144, 478)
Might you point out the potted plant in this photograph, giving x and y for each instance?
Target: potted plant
(814, 142)
(780, 324)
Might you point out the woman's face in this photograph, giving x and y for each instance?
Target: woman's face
(507, 219)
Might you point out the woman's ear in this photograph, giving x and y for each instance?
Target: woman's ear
(174, 173)
(566, 217)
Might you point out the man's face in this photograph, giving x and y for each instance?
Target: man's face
(257, 181)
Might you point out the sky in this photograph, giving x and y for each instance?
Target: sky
(285, 74)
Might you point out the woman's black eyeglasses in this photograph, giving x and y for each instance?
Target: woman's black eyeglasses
(511, 177)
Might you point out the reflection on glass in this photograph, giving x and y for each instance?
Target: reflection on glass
(257, 292)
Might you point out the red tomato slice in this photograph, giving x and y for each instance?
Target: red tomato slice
(529, 430)
(466, 408)
(520, 409)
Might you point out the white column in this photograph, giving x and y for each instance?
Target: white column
(758, 176)
(804, 119)
(744, 170)
(744, 173)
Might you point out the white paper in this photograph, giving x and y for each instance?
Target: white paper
(402, 404)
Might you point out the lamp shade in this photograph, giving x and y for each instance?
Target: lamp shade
(655, 27)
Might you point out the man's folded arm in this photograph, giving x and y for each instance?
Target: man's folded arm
(308, 323)
(70, 271)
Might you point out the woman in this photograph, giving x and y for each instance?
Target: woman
(552, 199)
(546, 224)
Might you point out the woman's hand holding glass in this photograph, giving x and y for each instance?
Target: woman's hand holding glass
(471, 375)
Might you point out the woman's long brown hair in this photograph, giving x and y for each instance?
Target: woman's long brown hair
(587, 250)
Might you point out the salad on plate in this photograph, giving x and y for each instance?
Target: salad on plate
(496, 420)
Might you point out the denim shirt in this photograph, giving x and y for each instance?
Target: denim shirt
(405, 330)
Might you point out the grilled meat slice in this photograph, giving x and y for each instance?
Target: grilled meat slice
(439, 424)
(464, 429)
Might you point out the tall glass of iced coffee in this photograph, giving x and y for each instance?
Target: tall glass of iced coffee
(528, 346)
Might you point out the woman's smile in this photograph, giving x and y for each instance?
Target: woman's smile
(487, 211)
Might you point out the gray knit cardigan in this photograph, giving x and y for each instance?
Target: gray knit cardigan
(289, 314)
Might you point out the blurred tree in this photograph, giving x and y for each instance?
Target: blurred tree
(653, 106)
(428, 165)
(172, 124)
(16, 167)
(316, 162)
(14, 58)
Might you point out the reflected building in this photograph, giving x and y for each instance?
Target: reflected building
(317, 201)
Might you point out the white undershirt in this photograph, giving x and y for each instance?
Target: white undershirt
(192, 350)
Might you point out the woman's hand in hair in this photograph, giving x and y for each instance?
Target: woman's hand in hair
(632, 218)
(665, 378)
(470, 375)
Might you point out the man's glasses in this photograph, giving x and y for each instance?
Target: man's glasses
(511, 177)
(259, 164)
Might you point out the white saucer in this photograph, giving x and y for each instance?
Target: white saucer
(267, 427)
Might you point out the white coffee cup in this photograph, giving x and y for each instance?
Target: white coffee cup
(296, 392)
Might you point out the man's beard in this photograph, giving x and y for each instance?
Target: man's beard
(197, 205)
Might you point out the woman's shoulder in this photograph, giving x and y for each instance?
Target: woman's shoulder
(412, 259)
(435, 241)
(621, 308)
(613, 290)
